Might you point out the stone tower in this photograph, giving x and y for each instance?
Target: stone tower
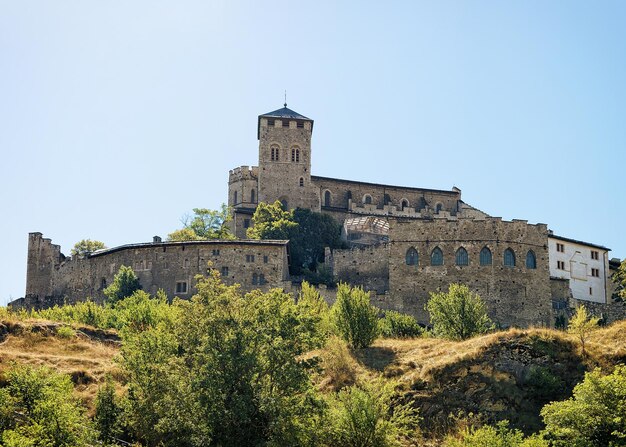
(284, 171)
(43, 258)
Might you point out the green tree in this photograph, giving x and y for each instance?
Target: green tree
(39, 409)
(619, 278)
(315, 231)
(226, 370)
(581, 325)
(316, 312)
(594, 416)
(355, 318)
(458, 314)
(368, 416)
(205, 224)
(271, 221)
(308, 233)
(108, 412)
(85, 246)
(124, 284)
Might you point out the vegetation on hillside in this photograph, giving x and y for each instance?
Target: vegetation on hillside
(264, 369)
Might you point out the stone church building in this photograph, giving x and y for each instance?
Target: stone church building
(404, 243)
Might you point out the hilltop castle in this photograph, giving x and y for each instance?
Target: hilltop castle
(405, 243)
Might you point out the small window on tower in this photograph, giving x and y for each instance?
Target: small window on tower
(301, 181)
(295, 155)
(300, 125)
(270, 123)
(285, 123)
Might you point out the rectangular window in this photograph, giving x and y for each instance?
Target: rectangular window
(595, 273)
(186, 263)
(285, 123)
(265, 259)
(300, 125)
(246, 223)
(216, 252)
(560, 248)
(181, 287)
(560, 265)
(270, 123)
(594, 255)
(249, 258)
(590, 291)
(224, 271)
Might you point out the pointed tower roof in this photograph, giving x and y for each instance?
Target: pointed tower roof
(282, 114)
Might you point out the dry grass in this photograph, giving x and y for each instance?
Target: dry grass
(86, 360)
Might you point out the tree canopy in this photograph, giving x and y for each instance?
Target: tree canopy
(124, 284)
(308, 233)
(204, 224)
(85, 246)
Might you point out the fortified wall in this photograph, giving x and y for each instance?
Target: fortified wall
(172, 266)
(506, 263)
(424, 256)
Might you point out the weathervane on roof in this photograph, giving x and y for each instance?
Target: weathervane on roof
(285, 98)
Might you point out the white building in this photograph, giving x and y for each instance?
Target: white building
(585, 265)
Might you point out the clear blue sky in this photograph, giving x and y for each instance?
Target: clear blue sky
(117, 117)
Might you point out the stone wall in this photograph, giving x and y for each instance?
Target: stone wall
(162, 265)
(362, 266)
(385, 199)
(515, 296)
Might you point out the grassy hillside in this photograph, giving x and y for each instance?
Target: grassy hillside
(503, 375)
(86, 354)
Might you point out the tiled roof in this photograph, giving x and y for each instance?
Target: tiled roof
(285, 113)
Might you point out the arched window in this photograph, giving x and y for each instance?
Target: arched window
(301, 181)
(255, 279)
(274, 153)
(461, 257)
(436, 257)
(252, 196)
(327, 198)
(485, 256)
(295, 155)
(531, 260)
(367, 199)
(438, 208)
(404, 204)
(235, 198)
(509, 258)
(412, 257)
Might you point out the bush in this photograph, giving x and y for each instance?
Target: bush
(39, 409)
(108, 412)
(458, 314)
(124, 285)
(595, 416)
(546, 385)
(369, 416)
(355, 318)
(398, 325)
(66, 332)
(499, 436)
(339, 366)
